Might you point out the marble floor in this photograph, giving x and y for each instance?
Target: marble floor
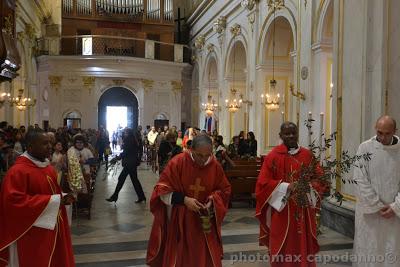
(116, 235)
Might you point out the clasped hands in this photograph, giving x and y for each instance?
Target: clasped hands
(387, 212)
(195, 205)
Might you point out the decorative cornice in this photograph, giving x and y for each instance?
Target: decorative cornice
(236, 29)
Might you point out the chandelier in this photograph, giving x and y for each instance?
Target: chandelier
(271, 99)
(209, 107)
(20, 102)
(234, 104)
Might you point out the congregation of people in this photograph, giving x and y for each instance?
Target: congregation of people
(192, 196)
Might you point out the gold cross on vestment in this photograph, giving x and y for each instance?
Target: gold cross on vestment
(197, 188)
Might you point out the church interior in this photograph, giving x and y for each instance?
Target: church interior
(222, 67)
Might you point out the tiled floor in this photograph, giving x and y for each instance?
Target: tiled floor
(117, 234)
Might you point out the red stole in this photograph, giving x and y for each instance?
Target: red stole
(181, 241)
(25, 193)
(293, 230)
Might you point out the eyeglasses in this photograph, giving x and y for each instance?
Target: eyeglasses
(201, 156)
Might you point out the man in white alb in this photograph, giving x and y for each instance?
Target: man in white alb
(377, 218)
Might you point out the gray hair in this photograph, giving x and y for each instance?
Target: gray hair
(201, 140)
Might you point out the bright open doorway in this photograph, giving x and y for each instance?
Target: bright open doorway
(117, 120)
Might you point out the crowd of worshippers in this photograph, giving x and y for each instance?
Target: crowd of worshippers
(164, 143)
(91, 143)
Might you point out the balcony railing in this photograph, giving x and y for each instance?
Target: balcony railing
(112, 46)
(146, 11)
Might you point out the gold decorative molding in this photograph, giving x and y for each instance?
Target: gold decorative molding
(119, 82)
(210, 48)
(194, 58)
(252, 18)
(236, 30)
(296, 94)
(55, 82)
(200, 42)
(88, 82)
(177, 86)
(147, 84)
(220, 25)
(9, 25)
(30, 32)
(21, 37)
(248, 4)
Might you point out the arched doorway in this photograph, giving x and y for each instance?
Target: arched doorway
(277, 64)
(118, 97)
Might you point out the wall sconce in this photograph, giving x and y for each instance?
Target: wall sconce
(297, 94)
(248, 102)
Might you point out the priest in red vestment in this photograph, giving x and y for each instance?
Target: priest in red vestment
(192, 184)
(34, 230)
(289, 231)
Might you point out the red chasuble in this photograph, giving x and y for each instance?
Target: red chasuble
(291, 236)
(181, 241)
(25, 193)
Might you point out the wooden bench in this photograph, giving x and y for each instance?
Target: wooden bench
(243, 180)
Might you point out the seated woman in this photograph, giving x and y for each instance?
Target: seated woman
(221, 154)
(233, 148)
(251, 145)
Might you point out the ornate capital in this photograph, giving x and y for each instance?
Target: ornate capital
(200, 42)
(220, 25)
(55, 81)
(88, 82)
(177, 86)
(248, 4)
(147, 84)
(194, 58)
(276, 4)
(210, 48)
(236, 30)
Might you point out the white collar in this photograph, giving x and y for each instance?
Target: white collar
(38, 163)
(294, 151)
(205, 164)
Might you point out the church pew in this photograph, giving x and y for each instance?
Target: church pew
(243, 183)
(247, 162)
